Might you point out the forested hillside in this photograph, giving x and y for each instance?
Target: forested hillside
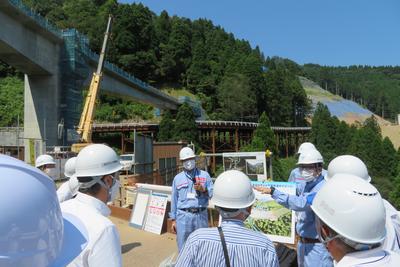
(233, 80)
(376, 88)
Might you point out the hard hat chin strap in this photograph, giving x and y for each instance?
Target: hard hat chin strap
(231, 214)
(357, 246)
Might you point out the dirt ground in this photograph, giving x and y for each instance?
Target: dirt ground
(393, 132)
(141, 248)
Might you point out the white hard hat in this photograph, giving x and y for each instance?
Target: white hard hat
(348, 164)
(96, 160)
(306, 146)
(310, 157)
(44, 160)
(353, 208)
(69, 167)
(233, 190)
(33, 230)
(186, 153)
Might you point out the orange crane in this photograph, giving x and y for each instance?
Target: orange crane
(86, 121)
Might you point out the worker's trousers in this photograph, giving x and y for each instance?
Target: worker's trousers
(186, 223)
(313, 254)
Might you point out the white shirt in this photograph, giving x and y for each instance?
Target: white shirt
(68, 189)
(370, 258)
(392, 241)
(104, 246)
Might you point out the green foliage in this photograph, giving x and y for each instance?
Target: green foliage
(166, 127)
(286, 166)
(394, 195)
(323, 131)
(170, 51)
(12, 101)
(185, 125)
(263, 137)
(235, 98)
(285, 99)
(333, 138)
(116, 109)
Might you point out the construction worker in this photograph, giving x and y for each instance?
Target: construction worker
(349, 164)
(46, 164)
(69, 188)
(97, 168)
(33, 230)
(310, 251)
(295, 175)
(350, 219)
(191, 190)
(233, 198)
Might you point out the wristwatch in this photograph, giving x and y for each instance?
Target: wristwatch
(272, 190)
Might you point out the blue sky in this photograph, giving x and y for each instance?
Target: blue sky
(326, 32)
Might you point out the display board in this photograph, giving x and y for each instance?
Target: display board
(149, 211)
(140, 208)
(156, 213)
(253, 164)
(271, 218)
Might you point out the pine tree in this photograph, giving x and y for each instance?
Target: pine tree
(166, 128)
(185, 125)
(394, 195)
(323, 132)
(389, 158)
(263, 137)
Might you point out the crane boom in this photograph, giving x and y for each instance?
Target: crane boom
(86, 120)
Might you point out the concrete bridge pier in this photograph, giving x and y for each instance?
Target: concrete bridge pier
(41, 113)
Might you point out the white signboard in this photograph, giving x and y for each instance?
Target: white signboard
(156, 213)
(253, 164)
(271, 218)
(139, 210)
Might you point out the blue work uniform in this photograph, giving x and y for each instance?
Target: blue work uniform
(245, 247)
(308, 254)
(295, 176)
(188, 206)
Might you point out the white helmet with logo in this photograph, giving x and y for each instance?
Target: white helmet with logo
(44, 160)
(306, 146)
(33, 230)
(186, 153)
(348, 164)
(310, 157)
(233, 190)
(353, 208)
(69, 167)
(96, 160)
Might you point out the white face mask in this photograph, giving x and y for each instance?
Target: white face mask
(307, 175)
(113, 192)
(50, 172)
(189, 164)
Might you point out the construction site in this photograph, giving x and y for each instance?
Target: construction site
(59, 121)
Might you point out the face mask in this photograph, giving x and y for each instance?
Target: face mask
(323, 240)
(307, 175)
(113, 191)
(51, 172)
(189, 164)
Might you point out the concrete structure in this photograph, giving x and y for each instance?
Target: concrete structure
(57, 65)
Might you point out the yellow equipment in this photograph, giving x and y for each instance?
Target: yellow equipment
(86, 121)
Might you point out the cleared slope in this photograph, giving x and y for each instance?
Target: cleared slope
(344, 109)
(347, 110)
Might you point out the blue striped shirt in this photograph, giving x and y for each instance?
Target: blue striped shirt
(245, 247)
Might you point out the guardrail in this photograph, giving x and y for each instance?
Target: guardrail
(36, 17)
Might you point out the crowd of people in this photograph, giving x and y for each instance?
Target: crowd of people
(341, 218)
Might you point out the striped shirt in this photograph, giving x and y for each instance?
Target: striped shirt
(245, 247)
